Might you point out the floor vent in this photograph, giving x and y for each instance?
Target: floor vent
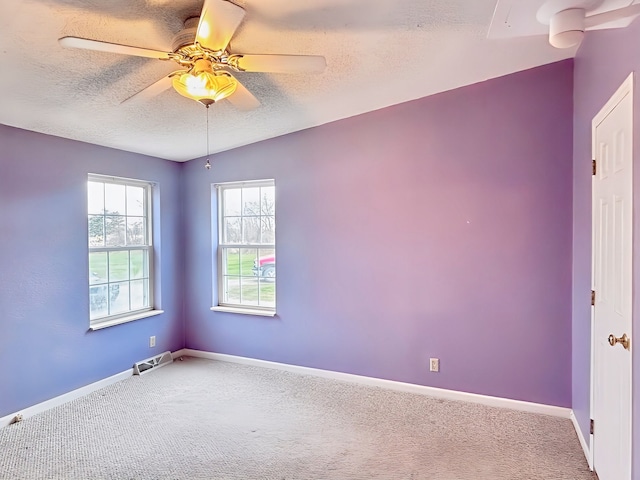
(152, 363)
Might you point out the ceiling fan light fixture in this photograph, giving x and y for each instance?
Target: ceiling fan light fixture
(566, 28)
(203, 84)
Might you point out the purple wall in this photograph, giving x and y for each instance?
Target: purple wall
(45, 348)
(604, 61)
(440, 227)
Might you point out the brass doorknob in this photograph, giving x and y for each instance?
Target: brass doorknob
(623, 340)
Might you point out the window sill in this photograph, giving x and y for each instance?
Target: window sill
(127, 319)
(245, 311)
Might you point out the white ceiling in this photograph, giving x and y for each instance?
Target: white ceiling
(379, 53)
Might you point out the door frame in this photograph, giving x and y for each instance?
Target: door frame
(627, 88)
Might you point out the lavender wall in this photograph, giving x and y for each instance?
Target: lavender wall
(602, 64)
(440, 227)
(45, 348)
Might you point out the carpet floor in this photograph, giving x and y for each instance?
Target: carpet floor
(204, 419)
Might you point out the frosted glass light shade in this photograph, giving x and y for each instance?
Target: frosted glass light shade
(204, 85)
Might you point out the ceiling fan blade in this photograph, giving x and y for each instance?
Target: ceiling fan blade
(280, 63)
(152, 90)
(87, 44)
(218, 22)
(242, 98)
(612, 16)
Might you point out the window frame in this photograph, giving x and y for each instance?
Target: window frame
(130, 315)
(223, 306)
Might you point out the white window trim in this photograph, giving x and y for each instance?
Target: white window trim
(234, 307)
(245, 311)
(130, 316)
(110, 322)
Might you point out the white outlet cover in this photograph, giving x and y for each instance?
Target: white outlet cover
(434, 364)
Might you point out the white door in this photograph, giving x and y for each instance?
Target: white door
(612, 283)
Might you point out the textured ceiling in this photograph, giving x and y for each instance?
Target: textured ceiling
(379, 53)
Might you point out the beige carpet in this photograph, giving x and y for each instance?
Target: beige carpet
(202, 419)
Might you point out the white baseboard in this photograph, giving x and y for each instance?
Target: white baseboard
(72, 395)
(389, 384)
(179, 353)
(64, 398)
(583, 441)
(347, 377)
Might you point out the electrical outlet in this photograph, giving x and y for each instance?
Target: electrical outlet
(152, 341)
(434, 364)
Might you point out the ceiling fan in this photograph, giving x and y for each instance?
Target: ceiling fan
(563, 21)
(568, 20)
(201, 49)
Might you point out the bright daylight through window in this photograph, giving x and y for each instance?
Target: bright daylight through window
(119, 248)
(247, 245)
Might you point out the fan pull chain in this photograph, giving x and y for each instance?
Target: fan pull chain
(208, 164)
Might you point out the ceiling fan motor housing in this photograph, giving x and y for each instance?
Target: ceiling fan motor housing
(566, 28)
(185, 37)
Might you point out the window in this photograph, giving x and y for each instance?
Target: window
(247, 245)
(120, 280)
